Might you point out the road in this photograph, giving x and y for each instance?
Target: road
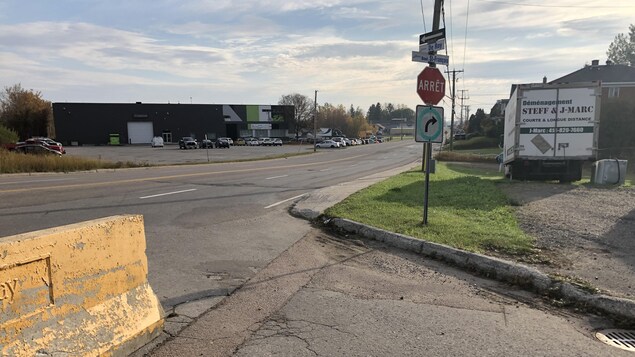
(209, 228)
(335, 296)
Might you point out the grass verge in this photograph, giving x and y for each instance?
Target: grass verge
(465, 156)
(11, 162)
(465, 211)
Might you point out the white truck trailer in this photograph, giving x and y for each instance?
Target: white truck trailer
(550, 130)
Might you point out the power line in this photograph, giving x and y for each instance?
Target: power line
(451, 29)
(424, 17)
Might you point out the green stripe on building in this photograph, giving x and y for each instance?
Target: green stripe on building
(253, 113)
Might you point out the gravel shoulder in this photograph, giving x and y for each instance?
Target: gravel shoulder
(583, 233)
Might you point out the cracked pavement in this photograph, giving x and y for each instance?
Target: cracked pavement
(337, 296)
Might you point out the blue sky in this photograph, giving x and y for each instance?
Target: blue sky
(252, 52)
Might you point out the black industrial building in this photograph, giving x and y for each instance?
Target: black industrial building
(138, 123)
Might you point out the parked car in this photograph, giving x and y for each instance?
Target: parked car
(188, 142)
(252, 142)
(49, 143)
(240, 142)
(276, 142)
(266, 141)
(157, 142)
(340, 140)
(222, 143)
(206, 144)
(36, 149)
(229, 140)
(328, 144)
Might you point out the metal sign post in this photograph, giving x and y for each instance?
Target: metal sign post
(428, 129)
(431, 89)
(427, 187)
(206, 147)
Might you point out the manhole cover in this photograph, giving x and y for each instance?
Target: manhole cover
(623, 339)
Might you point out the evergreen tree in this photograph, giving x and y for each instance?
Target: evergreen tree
(622, 49)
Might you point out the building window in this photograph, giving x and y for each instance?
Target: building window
(614, 92)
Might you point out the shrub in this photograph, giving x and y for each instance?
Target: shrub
(479, 142)
(7, 136)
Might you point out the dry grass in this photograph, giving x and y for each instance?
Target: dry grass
(464, 157)
(11, 162)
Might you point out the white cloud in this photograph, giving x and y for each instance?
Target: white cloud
(354, 52)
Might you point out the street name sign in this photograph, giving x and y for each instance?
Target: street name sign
(432, 47)
(425, 57)
(429, 124)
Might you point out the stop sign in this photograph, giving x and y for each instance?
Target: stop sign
(431, 85)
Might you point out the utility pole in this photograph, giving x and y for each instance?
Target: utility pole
(436, 23)
(462, 98)
(454, 72)
(315, 123)
(467, 112)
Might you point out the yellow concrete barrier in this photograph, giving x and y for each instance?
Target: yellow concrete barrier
(77, 290)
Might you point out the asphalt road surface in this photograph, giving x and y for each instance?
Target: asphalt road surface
(328, 296)
(209, 228)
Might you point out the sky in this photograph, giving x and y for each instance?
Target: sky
(355, 52)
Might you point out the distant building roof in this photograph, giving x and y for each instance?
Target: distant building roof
(609, 73)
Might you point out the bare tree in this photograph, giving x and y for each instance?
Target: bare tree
(303, 116)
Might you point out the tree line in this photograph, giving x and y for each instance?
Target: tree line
(351, 121)
(25, 113)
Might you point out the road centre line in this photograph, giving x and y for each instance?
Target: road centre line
(325, 170)
(167, 193)
(287, 200)
(275, 177)
(167, 177)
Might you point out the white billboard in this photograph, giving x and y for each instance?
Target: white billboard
(557, 122)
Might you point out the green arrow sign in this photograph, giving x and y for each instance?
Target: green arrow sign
(429, 124)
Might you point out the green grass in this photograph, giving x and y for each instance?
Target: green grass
(465, 211)
(477, 149)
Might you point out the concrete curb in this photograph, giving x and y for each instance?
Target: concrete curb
(312, 207)
(494, 268)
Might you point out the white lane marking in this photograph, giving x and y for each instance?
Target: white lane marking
(35, 181)
(287, 200)
(324, 170)
(167, 193)
(275, 177)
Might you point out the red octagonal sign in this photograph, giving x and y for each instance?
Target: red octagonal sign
(431, 85)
